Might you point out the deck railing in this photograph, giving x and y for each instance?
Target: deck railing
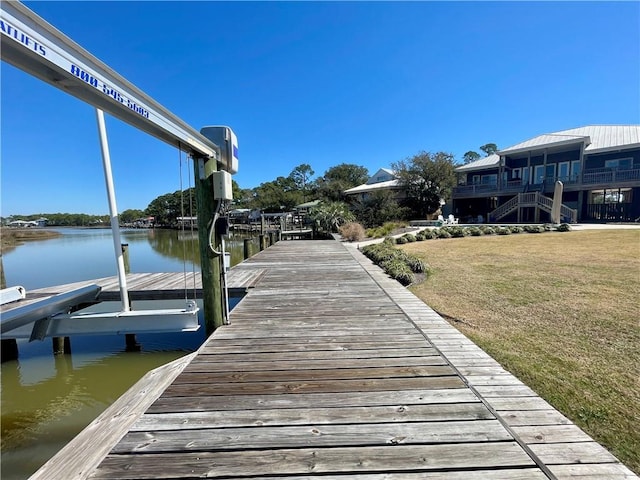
(531, 199)
(613, 176)
(598, 176)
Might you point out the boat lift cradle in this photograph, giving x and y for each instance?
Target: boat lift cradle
(34, 46)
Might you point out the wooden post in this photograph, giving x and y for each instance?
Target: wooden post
(209, 262)
(131, 343)
(247, 248)
(261, 241)
(125, 257)
(8, 350)
(8, 346)
(61, 345)
(3, 280)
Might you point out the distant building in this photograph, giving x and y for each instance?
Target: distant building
(383, 180)
(23, 224)
(599, 166)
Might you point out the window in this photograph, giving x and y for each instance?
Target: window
(550, 172)
(476, 180)
(490, 179)
(538, 174)
(516, 173)
(609, 196)
(525, 175)
(576, 169)
(563, 171)
(619, 163)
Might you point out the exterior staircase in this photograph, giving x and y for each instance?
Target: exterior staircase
(531, 199)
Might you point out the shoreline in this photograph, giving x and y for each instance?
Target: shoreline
(11, 238)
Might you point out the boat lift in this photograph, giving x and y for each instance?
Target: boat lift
(31, 44)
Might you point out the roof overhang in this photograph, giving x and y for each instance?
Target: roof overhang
(547, 142)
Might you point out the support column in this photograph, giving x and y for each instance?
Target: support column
(125, 257)
(61, 345)
(209, 262)
(247, 248)
(9, 350)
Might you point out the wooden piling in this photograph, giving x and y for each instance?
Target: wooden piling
(125, 257)
(210, 267)
(8, 350)
(247, 248)
(61, 345)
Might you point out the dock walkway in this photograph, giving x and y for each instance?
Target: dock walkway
(330, 369)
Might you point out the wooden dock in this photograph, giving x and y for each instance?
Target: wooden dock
(147, 286)
(331, 370)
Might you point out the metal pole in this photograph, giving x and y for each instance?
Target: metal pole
(113, 210)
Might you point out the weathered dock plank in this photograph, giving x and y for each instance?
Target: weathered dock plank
(296, 461)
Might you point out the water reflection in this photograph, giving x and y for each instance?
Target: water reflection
(87, 254)
(47, 399)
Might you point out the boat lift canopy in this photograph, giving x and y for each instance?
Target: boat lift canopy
(36, 47)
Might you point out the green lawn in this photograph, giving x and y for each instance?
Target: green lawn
(560, 311)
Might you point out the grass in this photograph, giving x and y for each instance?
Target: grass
(558, 310)
(10, 238)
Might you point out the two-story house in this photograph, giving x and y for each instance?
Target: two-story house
(598, 165)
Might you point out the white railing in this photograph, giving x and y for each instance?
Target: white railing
(532, 199)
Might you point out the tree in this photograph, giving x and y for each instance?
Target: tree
(428, 179)
(489, 148)
(242, 197)
(337, 179)
(130, 215)
(471, 156)
(277, 196)
(377, 208)
(166, 208)
(301, 177)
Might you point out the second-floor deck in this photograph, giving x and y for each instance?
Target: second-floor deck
(590, 179)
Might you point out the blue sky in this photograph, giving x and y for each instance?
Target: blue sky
(322, 83)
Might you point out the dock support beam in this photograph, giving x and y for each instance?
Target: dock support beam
(209, 262)
(9, 349)
(61, 345)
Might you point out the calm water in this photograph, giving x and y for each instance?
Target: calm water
(47, 399)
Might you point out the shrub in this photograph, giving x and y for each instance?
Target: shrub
(534, 229)
(415, 264)
(428, 234)
(398, 264)
(384, 230)
(329, 217)
(503, 231)
(475, 232)
(548, 227)
(563, 227)
(401, 240)
(457, 232)
(410, 237)
(487, 230)
(516, 229)
(352, 232)
(443, 233)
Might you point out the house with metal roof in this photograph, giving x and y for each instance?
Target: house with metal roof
(598, 165)
(383, 180)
